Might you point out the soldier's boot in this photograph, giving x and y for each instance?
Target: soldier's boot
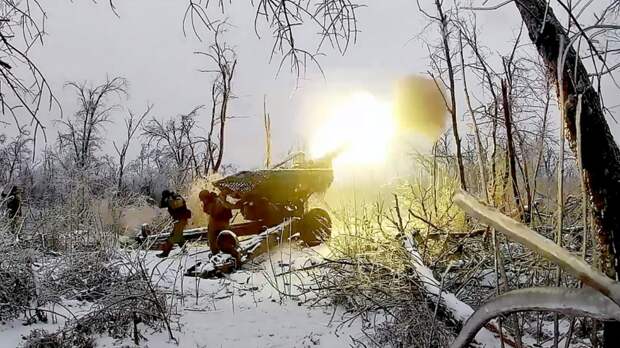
(165, 250)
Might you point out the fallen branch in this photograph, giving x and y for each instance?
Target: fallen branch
(572, 302)
(459, 310)
(539, 244)
(600, 302)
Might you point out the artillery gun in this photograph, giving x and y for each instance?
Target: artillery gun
(274, 204)
(270, 197)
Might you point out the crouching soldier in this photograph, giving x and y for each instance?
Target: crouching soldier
(180, 214)
(220, 214)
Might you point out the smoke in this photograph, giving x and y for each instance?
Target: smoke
(199, 218)
(128, 216)
(135, 216)
(419, 107)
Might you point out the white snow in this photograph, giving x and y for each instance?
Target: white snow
(12, 332)
(244, 309)
(258, 306)
(249, 308)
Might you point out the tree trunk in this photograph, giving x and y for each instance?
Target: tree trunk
(481, 152)
(455, 130)
(600, 153)
(510, 150)
(267, 125)
(121, 173)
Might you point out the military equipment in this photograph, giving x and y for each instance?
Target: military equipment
(274, 204)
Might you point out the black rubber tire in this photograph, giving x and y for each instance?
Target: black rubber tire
(315, 227)
(228, 242)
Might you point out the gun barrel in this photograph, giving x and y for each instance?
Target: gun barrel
(326, 160)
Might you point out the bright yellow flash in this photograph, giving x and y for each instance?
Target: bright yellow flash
(360, 122)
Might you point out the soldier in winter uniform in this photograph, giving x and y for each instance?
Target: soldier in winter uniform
(13, 207)
(179, 212)
(220, 214)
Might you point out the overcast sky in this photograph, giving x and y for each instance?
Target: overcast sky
(146, 45)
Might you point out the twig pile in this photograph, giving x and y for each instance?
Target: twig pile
(17, 285)
(376, 282)
(120, 289)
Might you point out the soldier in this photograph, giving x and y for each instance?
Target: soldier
(220, 214)
(179, 212)
(13, 207)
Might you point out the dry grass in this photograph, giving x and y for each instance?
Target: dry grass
(372, 276)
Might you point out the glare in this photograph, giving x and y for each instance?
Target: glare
(360, 122)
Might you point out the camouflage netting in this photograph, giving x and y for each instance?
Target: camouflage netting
(279, 185)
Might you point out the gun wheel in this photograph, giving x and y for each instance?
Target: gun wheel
(315, 227)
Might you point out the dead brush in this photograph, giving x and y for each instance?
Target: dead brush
(371, 275)
(88, 266)
(121, 292)
(76, 223)
(85, 218)
(43, 339)
(17, 282)
(82, 276)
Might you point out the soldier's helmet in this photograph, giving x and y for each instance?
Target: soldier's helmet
(206, 196)
(165, 194)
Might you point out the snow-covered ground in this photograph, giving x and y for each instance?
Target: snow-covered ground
(260, 305)
(244, 309)
(12, 332)
(248, 308)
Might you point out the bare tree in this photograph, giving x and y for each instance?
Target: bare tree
(335, 19)
(510, 147)
(267, 126)
(14, 155)
(601, 156)
(577, 58)
(132, 124)
(440, 74)
(81, 135)
(22, 25)
(482, 157)
(225, 60)
(174, 140)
